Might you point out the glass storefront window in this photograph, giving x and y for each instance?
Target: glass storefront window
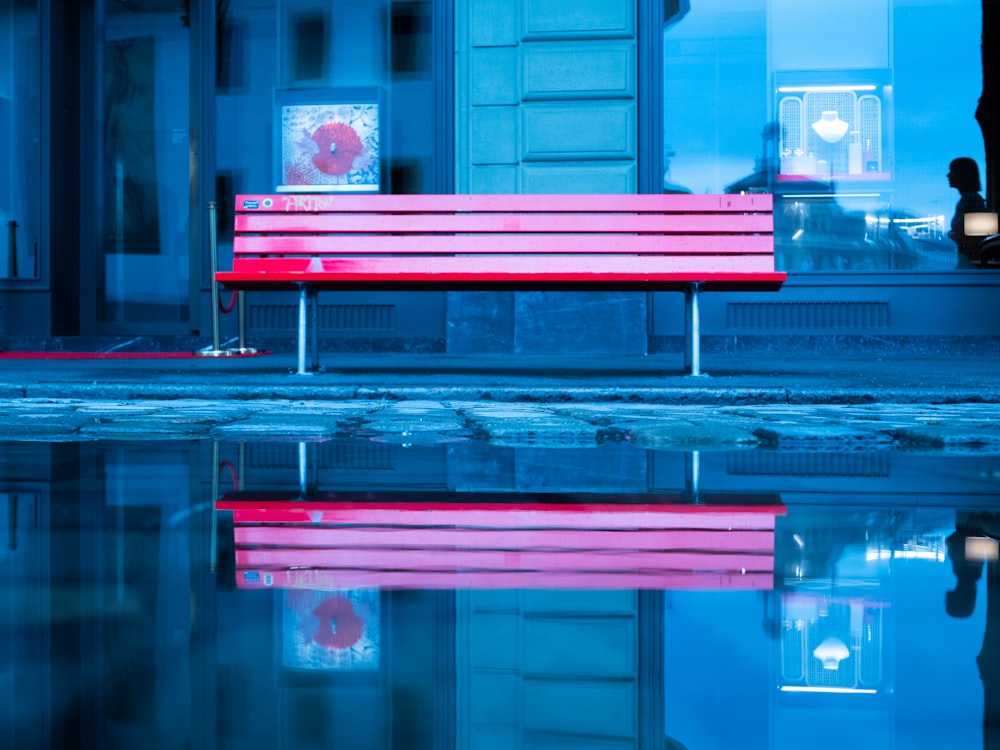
(144, 266)
(363, 66)
(834, 109)
(20, 126)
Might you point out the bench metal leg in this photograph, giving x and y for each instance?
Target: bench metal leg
(308, 309)
(303, 299)
(692, 330)
(692, 476)
(313, 295)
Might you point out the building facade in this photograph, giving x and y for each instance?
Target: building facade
(123, 121)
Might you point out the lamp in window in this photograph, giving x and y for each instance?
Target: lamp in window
(980, 224)
(982, 549)
(830, 127)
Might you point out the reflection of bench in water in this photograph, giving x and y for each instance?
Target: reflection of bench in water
(502, 540)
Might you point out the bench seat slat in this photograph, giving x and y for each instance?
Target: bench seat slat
(567, 561)
(383, 223)
(628, 512)
(374, 536)
(484, 273)
(519, 245)
(503, 203)
(501, 579)
(658, 282)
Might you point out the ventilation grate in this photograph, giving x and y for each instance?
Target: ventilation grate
(812, 316)
(335, 456)
(331, 317)
(773, 463)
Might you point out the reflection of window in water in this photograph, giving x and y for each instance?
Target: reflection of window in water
(861, 131)
(18, 513)
(831, 643)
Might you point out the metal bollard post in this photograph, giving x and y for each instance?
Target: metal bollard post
(213, 542)
(242, 322)
(217, 350)
(213, 228)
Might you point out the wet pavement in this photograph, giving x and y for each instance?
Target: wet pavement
(494, 542)
(943, 403)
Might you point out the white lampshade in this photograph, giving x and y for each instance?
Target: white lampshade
(980, 224)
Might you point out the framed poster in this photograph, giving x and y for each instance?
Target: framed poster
(327, 140)
(338, 631)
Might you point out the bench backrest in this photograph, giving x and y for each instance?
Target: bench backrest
(323, 224)
(481, 543)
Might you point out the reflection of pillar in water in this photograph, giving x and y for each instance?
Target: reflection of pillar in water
(971, 547)
(692, 476)
(12, 523)
(988, 660)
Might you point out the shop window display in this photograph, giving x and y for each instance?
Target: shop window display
(833, 109)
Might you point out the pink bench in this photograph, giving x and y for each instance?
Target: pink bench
(688, 243)
(492, 540)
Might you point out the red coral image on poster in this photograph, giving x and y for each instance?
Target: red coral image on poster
(332, 630)
(329, 147)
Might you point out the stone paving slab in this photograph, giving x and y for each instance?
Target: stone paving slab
(527, 424)
(914, 427)
(414, 423)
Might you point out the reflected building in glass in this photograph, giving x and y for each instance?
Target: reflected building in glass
(121, 122)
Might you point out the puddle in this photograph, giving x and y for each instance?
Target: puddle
(353, 593)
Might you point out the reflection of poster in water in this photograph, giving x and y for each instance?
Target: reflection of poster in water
(328, 146)
(332, 630)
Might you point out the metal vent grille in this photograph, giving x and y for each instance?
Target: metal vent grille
(336, 456)
(868, 642)
(331, 317)
(790, 116)
(793, 650)
(869, 465)
(812, 316)
(870, 125)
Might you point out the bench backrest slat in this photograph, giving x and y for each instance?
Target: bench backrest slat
(351, 203)
(603, 222)
(513, 244)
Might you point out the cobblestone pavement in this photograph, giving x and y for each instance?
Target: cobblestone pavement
(919, 427)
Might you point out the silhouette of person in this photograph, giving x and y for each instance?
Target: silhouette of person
(961, 602)
(963, 175)
(668, 186)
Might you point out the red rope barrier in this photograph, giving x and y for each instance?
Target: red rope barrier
(232, 303)
(232, 474)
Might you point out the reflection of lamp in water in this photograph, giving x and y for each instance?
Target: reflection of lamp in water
(982, 549)
(830, 127)
(831, 652)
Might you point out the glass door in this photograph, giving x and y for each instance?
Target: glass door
(20, 154)
(143, 269)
